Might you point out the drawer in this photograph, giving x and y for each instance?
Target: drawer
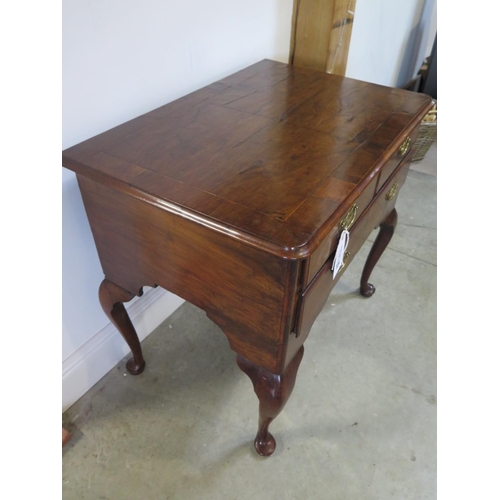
(316, 294)
(319, 256)
(401, 154)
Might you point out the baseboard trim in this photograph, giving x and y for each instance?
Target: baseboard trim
(88, 364)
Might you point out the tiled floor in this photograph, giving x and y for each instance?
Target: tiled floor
(360, 424)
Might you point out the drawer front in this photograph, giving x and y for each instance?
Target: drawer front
(400, 155)
(319, 256)
(316, 294)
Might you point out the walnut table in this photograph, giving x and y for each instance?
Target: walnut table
(234, 198)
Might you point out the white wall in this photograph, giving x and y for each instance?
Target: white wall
(389, 38)
(432, 30)
(122, 58)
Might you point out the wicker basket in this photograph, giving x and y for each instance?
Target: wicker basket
(426, 135)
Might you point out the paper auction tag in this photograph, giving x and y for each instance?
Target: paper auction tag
(338, 260)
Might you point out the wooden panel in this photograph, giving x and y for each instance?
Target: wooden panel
(321, 34)
(340, 36)
(312, 33)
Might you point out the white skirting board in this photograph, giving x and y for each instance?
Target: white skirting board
(87, 365)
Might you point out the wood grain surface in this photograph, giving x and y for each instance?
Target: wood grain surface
(321, 34)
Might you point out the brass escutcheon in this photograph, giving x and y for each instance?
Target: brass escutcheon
(392, 192)
(349, 218)
(404, 147)
(344, 259)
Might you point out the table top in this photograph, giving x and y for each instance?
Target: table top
(272, 155)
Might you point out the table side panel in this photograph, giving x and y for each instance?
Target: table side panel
(241, 288)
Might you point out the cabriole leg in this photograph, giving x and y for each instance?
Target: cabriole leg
(112, 297)
(273, 392)
(383, 238)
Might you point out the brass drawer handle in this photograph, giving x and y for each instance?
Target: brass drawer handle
(349, 218)
(392, 192)
(404, 147)
(344, 259)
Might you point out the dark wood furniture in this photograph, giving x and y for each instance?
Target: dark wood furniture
(233, 197)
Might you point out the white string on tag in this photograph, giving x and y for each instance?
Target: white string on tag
(338, 260)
